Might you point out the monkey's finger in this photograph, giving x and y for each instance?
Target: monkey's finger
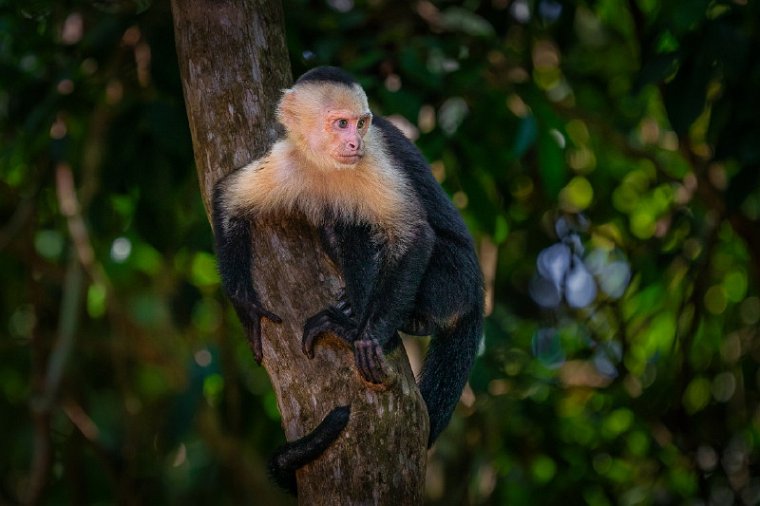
(380, 365)
(307, 344)
(254, 339)
(343, 305)
(315, 320)
(366, 361)
(270, 316)
(363, 364)
(311, 333)
(382, 370)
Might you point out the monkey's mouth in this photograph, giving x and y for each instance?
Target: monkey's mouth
(349, 158)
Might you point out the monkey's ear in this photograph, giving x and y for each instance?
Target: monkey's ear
(286, 109)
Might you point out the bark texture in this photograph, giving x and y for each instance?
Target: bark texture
(234, 63)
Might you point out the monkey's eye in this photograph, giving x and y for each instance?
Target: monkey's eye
(360, 123)
(342, 123)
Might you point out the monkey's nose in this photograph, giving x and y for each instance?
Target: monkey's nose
(354, 144)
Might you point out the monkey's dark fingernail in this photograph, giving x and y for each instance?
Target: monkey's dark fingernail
(307, 346)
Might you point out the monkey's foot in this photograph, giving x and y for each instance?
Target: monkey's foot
(371, 362)
(250, 315)
(330, 321)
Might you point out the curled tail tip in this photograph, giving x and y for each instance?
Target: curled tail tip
(284, 478)
(290, 457)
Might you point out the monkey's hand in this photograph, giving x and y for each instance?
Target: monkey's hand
(332, 320)
(250, 314)
(370, 360)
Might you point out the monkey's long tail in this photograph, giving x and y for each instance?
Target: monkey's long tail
(446, 369)
(295, 454)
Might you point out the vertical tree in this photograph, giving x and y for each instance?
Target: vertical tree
(233, 63)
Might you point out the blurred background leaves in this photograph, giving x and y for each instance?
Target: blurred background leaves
(624, 133)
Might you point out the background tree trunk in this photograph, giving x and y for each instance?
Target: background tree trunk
(233, 63)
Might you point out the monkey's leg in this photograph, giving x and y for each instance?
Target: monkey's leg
(333, 320)
(390, 302)
(234, 253)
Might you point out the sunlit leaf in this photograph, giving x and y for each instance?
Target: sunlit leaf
(543, 469)
(146, 258)
(659, 335)
(451, 114)
(501, 230)
(577, 195)
(735, 285)
(562, 227)
(544, 292)
(96, 300)
(580, 289)
(715, 299)
(204, 271)
(697, 395)
(465, 20)
(612, 276)
(618, 422)
(553, 263)
(213, 386)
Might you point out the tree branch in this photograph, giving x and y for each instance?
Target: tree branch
(234, 64)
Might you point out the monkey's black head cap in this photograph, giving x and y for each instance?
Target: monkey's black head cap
(327, 75)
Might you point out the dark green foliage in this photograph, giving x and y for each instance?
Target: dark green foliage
(641, 115)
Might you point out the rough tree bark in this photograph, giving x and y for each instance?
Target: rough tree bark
(234, 63)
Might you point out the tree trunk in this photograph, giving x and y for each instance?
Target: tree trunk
(234, 63)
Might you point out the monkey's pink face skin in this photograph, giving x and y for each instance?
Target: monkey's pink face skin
(345, 131)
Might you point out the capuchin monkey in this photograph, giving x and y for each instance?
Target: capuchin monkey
(406, 257)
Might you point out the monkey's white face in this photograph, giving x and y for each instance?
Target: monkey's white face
(343, 135)
(328, 122)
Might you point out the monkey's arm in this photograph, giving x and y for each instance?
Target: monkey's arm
(393, 294)
(389, 301)
(234, 254)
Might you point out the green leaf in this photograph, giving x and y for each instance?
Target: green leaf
(204, 272)
(49, 244)
(551, 164)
